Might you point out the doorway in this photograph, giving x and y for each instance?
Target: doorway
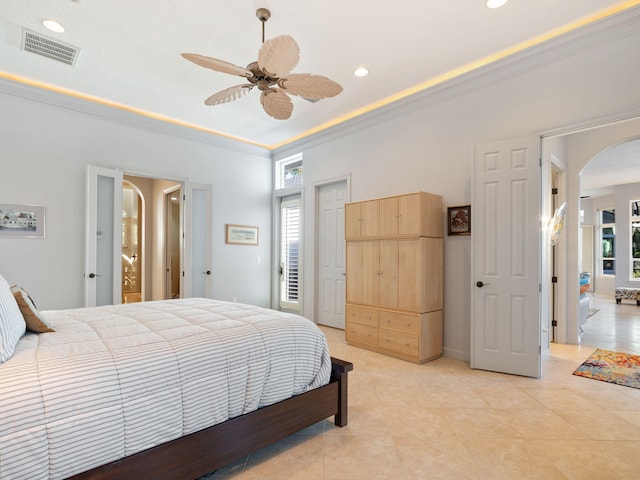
(126, 257)
(132, 251)
(290, 224)
(173, 245)
(160, 220)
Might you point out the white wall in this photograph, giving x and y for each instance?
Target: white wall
(429, 146)
(43, 160)
(426, 143)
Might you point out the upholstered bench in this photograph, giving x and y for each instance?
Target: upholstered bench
(628, 293)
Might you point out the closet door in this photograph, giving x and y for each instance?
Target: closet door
(103, 237)
(352, 220)
(354, 272)
(388, 275)
(388, 217)
(371, 272)
(197, 266)
(410, 214)
(410, 275)
(369, 218)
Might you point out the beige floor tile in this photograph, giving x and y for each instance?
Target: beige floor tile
(508, 459)
(557, 398)
(631, 417)
(507, 397)
(297, 457)
(480, 424)
(601, 425)
(443, 420)
(541, 424)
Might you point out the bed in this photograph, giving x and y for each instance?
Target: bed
(164, 390)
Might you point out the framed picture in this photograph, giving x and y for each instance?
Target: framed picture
(21, 220)
(459, 220)
(242, 235)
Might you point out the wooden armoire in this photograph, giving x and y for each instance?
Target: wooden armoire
(395, 275)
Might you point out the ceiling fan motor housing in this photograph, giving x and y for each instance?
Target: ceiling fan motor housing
(263, 14)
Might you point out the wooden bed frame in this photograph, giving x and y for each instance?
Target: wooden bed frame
(202, 452)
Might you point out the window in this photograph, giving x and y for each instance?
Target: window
(290, 253)
(608, 241)
(635, 240)
(289, 172)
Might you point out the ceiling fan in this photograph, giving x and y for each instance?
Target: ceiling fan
(276, 58)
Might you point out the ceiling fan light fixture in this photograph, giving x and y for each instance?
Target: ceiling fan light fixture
(53, 26)
(361, 72)
(496, 3)
(271, 75)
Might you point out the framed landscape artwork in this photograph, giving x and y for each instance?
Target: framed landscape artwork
(21, 220)
(241, 235)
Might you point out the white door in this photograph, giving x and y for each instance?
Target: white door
(103, 245)
(197, 272)
(331, 280)
(505, 314)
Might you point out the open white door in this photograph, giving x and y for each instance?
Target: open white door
(505, 313)
(197, 271)
(103, 272)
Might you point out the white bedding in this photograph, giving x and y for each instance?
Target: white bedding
(114, 380)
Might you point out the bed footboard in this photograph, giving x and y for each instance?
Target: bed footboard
(194, 455)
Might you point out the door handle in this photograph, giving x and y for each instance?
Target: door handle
(94, 275)
(208, 272)
(479, 284)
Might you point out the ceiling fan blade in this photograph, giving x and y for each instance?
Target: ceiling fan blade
(217, 65)
(278, 55)
(228, 94)
(276, 103)
(309, 86)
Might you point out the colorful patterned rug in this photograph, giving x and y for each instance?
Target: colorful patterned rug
(612, 367)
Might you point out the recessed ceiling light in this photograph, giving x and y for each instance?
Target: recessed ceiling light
(53, 26)
(361, 72)
(496, 3)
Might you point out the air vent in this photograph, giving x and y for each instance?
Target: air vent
(47, 47)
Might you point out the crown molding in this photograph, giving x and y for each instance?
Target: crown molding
(117, 115)
(597, 33)
(606, 30)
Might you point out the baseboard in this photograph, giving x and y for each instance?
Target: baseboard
(456, 354)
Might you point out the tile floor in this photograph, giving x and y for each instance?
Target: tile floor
(442, 420)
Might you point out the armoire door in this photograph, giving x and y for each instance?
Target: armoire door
(388, 273)
(354, 272)
(371, 272)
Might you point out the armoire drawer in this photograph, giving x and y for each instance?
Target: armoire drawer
(363, 316)
(361, 334)
(400, 322)
(399, 343)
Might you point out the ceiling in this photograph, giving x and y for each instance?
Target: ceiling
(618, 165)
(130, 52)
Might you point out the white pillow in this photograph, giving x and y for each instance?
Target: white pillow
(12, 324)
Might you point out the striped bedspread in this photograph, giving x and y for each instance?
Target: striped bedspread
(112, 381)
